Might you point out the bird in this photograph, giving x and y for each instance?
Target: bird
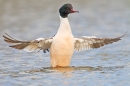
(63, 44)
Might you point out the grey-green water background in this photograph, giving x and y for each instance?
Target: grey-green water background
(31, 19)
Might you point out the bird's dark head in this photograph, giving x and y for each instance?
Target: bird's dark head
(65, 10)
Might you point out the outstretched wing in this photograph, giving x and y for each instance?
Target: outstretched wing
(29, 46)
(86, 43)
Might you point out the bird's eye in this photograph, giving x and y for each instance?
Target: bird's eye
(67, 8)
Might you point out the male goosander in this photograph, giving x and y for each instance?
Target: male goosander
(63, 44)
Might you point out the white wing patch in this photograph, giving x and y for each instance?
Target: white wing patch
(91, 42)
(30, 46)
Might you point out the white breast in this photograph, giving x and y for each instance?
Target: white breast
(62, 47)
